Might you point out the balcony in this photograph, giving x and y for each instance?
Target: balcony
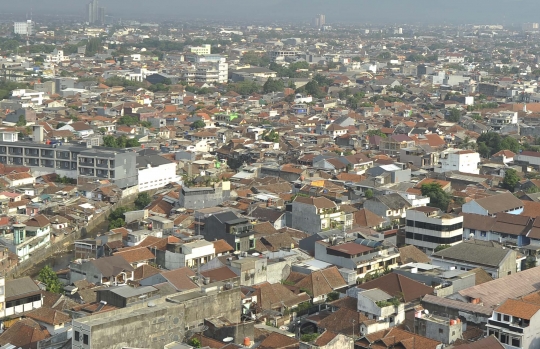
(32, 152)
(505, 325)
(86, 163)
(102, 163)
(47, 154)
(15, 151)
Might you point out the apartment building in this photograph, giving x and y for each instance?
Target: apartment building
(459, 160)
(516, 322)
(201, 50)
(315, 214)
(73, 161)
(428, 227)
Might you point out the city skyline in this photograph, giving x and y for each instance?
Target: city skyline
(417, 11)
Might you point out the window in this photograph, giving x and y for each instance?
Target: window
(440, 330)
(506, 318)
(77, 334)
(504, 338)
(483, 234)
(85, 339)
(516, 342)
(499, 317)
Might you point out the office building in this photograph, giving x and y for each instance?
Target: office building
(73, 161)
(428, 227)
(24, 28)
(319, 21)
(94, 13)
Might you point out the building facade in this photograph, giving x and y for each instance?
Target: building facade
(427, 227)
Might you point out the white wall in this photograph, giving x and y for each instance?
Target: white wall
(157, 177)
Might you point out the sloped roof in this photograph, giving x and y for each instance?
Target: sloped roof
(397, 285)
(512, 286)
(24, 333)
(476, 252)
(411, 254)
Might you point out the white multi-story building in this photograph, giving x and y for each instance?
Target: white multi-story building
(459, 160)
(24, 28)
(197, 253)
(155, 172)
(207, 72)
(57, 56)
(428, 227)
(28, 96)
(516, 323)
(201, 50)
(503, 118)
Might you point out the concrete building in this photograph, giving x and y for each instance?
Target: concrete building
(73, 161)
(428, 227)
(314, 214)
(236, 231)
(24, 28)
(459, 160)
(155, 171)
(111, 271)
(94, 13)
(201, 50)
(365, 257)
(494, 258)
(375, 304)
(156, 323)
(202, 197)
(494, 204)
(502, 119)
(516, 323)
(19, 296)
(439, 328)
(24, 241)
(318, 21)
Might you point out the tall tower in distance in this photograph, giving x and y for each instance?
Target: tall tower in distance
(94, 13)
(318, 21)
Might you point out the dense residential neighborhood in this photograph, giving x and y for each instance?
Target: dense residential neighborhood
(173, 185)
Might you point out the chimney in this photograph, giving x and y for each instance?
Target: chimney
(37, 133)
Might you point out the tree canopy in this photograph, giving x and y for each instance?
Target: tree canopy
(491, 142)
(511, 179)
(143, 200)
(120, 142)
(455, 115)
(50, 279)
(271, 136)
(438, 197)
(198, 124)
(273, 85)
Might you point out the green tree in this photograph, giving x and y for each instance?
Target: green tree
(272, 85)
(376, 133)
(441, 247)
(22, 121)
(313, 88)
(110, 141)
(492, 141)
(455, 115)
(143, 200)
(50, 279)
(368, 194)
(244, 87)
(271, 136)
(530, 262)
(510, 180)
(438, 197)
(195, 343)
(198, 124)
(322, 80)
(509, 143)
(309, 337)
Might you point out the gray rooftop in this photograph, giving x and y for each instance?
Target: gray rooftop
(475, 253)
(128, 291)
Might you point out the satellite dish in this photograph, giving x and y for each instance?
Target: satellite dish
(255, 254)
(151, 304)
(426, 311)
(228, 339)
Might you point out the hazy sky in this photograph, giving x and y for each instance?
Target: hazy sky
(373, 11)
